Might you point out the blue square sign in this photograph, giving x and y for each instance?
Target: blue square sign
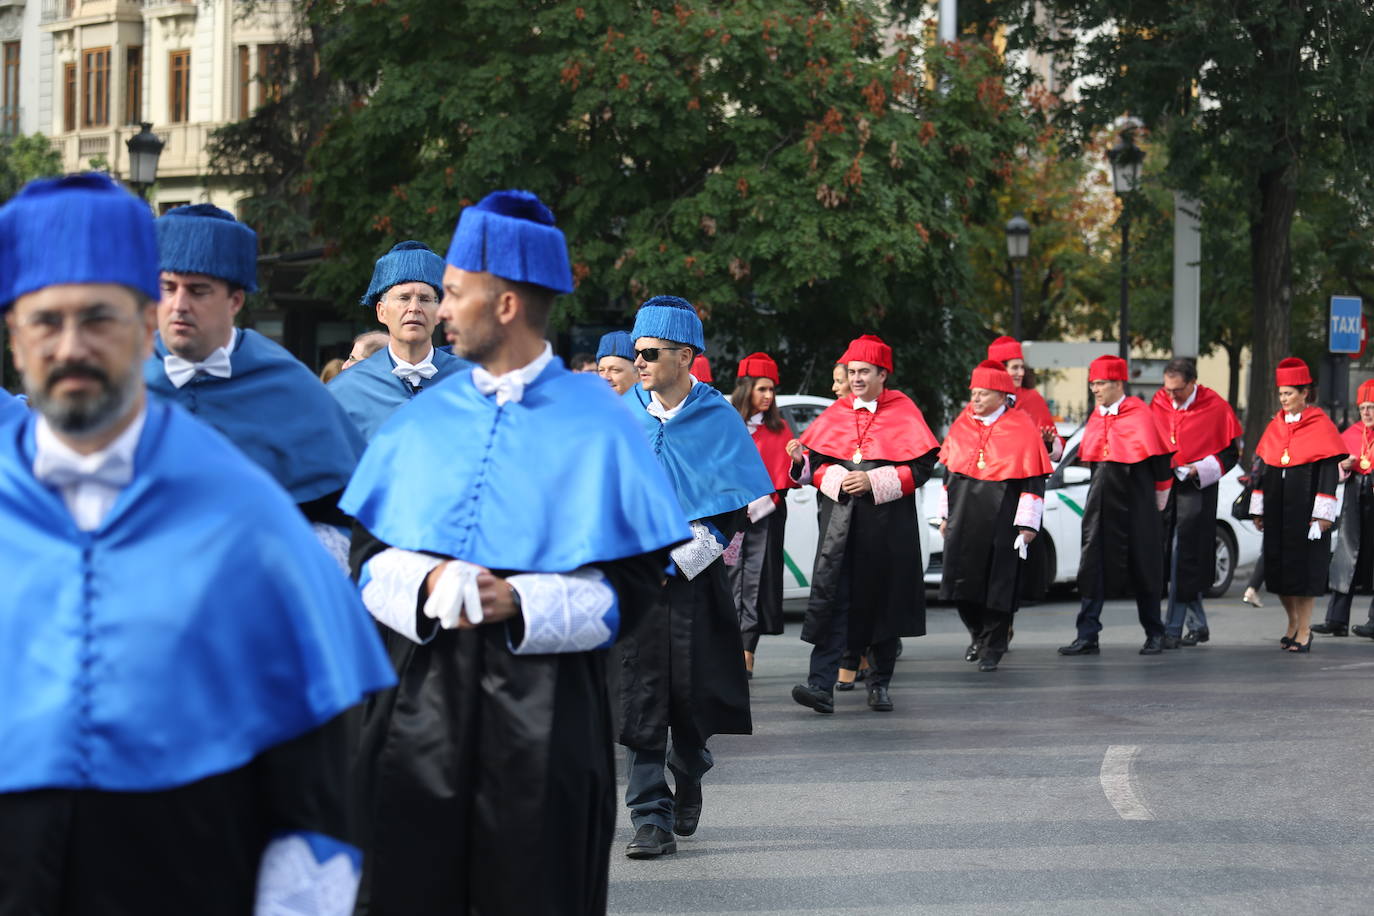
(1345, 324)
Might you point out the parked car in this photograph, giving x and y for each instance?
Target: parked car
(803, 528)
(1066, 493)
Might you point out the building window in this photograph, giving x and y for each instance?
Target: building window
(9, 104)
(69, 97)
(95, 79)
(271, 72)
(133, 85)
(245, 81)
(179, 87)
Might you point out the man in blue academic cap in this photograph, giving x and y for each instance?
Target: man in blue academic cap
(406, 287)
(243, 384)
(682, 670)
(176, 649)
(615, 361)
(511, 525)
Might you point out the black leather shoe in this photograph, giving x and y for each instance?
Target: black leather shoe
(818, 699)
(989, 660)
(1080, 647)
(1188, 639)
(1363, 629)
(1198, 636)
(1331, 629)
(1154, 645)
(971, 653)
(1171, 642)
(844, 685)
(687, 809)
(878, 700)
(650, 842)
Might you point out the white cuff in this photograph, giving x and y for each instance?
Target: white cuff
(762, 507)
(566, 612)
(942, 507)
(1256, 502)
(830, 481)
(1208, 471)
(698, 553)
(801, 475)
(1324, 507)
(1161, 499)
(335, 541)
(304, 872)
(1030, 510)
(390, 585)
(887, 486)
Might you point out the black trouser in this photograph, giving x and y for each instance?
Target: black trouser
(1257, 575)
(1090, 613)
(1338, 609)
(989, 628)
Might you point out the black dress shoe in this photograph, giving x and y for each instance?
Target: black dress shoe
(971, 653)
(878, 700)
(650, 842)
(1080, 647)
(1200, 635)
(1331, 629)
(1188, 639)
(687, 809)
(844, 685)
(1363, 629)
(1171, 642)
(818, 699)
(989, 660)
(1154, 645)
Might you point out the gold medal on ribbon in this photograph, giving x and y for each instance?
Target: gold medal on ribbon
(1173, 440)
(1364, 464)
(1284, 459)
(858, 455)
(981, 463)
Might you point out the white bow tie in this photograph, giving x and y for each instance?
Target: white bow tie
(508, 387)
(417, 374)
(1110, 411)
(1292, 417)
(870, 406)
(62, 470)
(180, 371)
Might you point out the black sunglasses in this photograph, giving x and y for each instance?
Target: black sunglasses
(650, 355)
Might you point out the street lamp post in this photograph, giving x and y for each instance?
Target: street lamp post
(1125, 158)
(1018, 246)
(144, 149)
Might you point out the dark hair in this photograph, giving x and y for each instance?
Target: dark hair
(1182, 366)
(537, 300)
(581, 359)
(743, 399)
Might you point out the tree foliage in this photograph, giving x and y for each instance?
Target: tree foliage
(788, 166)
(24, 158)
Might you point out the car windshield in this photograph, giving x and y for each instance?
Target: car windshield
(799, 416)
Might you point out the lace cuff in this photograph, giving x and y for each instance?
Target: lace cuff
(942, 507)
(390, 585)
(305, 872)
(1256, 503)
(334, 540)
(1161, 498)
(802, 474)
(830, 481)
(762, 507)
(1030, 510)
(698, 553)
(1208, 471)
(566, 612)
(886, 483)
(1324, 507)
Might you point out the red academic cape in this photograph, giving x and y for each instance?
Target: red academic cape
(1359, 443)
(1309, 440)
(896, 433)
(1206, 427)
(1030, 401)
(772, 448)
(1010, 447)
(1127, 438)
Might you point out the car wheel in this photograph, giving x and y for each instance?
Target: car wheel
(1224, 564)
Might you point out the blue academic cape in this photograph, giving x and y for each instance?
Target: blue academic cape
(706, 450)
(369, 393)
(559, 480)
(275, 410)
(201, 624)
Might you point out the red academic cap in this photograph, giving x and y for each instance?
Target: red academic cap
(701, 369)
(869, 349)
(1107, 369)
(1005, 348)
(759, 365)
(993, 376)
(1292, 372)
(1365, 394)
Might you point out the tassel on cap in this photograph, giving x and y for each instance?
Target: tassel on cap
(759, 365)
(616, 343)
(869, 348)
(407, 262)
(203, 239)
(1005, 349)
(512, 235)
(1292, 372)
(992, 376)
(1107, 369)
(670, 318)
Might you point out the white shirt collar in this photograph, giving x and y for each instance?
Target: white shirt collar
(861, 404)
(992, 417)
(89, 484)
(1186, 404)
(511, 385)
(754, 422)
(1292, 417)
(665, 414)
(427, 360)
(1112, 410)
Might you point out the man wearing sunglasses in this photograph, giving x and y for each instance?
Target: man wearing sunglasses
(681, 671)
(406, 287)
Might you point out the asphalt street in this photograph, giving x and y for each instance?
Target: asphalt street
(1225, 778)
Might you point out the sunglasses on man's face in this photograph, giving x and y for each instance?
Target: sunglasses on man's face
(650, 355)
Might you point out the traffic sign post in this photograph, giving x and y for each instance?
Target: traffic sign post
(1345, 331)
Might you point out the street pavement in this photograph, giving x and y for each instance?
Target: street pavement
(1225, 778)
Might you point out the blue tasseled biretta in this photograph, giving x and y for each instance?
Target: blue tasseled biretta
(512, 234)
(670, 318)
(77, 229)
(203, 239)
(407, 262)
(616, 343)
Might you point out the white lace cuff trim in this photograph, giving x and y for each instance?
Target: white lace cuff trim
(1161, 499)
(942, 507)
(390, 584)
(830, 481)
(566, 612)
(887, 485)
(802, 474)
(1256, 502)
(761, 507)
(335, 541)
(698, 553)
(1208, 471)
(1030, 509)
(307, 873)
(1324, 507)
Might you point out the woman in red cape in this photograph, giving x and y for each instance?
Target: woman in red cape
(1294, 501)
(756, 575)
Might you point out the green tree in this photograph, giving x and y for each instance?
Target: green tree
(788, 166)
(24, 158)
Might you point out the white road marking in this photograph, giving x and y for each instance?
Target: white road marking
(1118, 783)
(1348, 667)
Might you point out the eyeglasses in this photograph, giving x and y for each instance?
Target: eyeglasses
(404, 299)
(650, 354)
(94, 323)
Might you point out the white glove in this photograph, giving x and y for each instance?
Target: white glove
(455, 595)
(761, 507)
(1181, 472)
(1019, 545)
(1314, 532)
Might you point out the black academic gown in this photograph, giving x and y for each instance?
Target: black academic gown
(192, 849)
(980, 566)
(682, 667)
(1191, 514)
(1123, 534)
(482, 769)
(1352, 558)
(1293, 565)
(879, 547)
(756, 580)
